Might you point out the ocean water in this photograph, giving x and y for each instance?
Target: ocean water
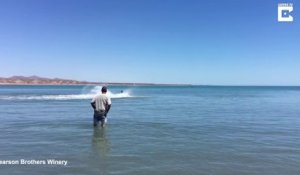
(207, 130)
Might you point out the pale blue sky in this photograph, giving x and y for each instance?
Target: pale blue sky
(234, 42)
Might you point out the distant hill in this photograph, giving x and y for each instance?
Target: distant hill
(36, 80)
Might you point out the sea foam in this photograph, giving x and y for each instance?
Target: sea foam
(89, 95)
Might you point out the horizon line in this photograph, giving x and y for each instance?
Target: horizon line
(86, 82)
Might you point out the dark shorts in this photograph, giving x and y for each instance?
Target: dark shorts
(99, 116)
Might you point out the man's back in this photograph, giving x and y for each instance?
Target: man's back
(101, 102)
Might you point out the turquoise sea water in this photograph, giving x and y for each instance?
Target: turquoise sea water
(152, 130)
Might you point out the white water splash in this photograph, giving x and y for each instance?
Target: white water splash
(93, 92)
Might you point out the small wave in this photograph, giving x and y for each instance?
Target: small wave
(93, 92)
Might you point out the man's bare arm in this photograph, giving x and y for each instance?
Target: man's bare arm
(107, 108)
(93, 105)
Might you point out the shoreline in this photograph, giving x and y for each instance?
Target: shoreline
(148, 85)
(98, 84)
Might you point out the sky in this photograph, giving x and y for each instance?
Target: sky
(218, 42)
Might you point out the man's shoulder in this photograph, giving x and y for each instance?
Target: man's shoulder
(105, 95)
(102, 96)
(97, 96)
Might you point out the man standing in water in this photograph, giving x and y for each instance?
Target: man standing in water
(101, 104)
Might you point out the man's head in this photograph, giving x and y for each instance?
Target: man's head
(104, 90)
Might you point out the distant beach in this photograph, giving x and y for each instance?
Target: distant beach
(36, 80)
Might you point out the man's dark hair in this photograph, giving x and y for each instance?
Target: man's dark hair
(104, 89)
